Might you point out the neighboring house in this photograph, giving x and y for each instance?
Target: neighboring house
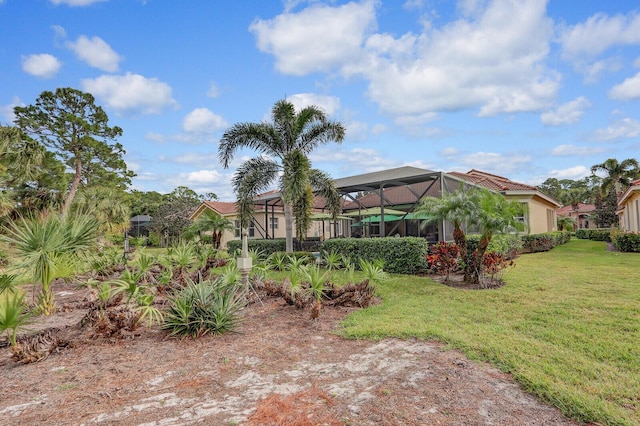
(629, 208)
(268, 219)
(540, 213)
(581, 213)
(139, 225)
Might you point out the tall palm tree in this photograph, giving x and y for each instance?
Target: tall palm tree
(284, 145)
(618, 176)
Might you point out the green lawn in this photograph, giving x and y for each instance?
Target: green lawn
(566, 325)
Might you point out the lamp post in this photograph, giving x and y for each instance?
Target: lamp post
(244, 261)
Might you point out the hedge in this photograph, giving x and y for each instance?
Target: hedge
(508, 245)
(598, 234)
(544, 242)
(401, 255)
(265, 246)
(626, 241)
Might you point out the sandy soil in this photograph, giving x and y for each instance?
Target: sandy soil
(282, 368)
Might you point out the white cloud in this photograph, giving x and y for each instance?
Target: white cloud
(74, 3)
(42, 65)
(7, 110)
(357, 131)
(329, 104)
(202, 120)
(599, 33)
(449, 152)
(213, 91)
(59, 31)
(200, 177)
(593, 71)
(624, 128)
(416, 120)
(574, 173)
(196, 158)
(317, 38)
(573, 150)
(494, 162)
(627, 90)
(379, 129)
(95, 52)
(568, 113)
(131, 93)
(493, 59)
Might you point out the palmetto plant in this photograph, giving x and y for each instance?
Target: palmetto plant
(8, 283)
(278, 261)
(285, 142)
(317, 279)
(48, 247)
(14, 314)
(373, 271)
(332, 259)
(206, 307)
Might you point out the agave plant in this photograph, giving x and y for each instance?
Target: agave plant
(14, 315)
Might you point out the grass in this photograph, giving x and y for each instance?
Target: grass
(566, 325)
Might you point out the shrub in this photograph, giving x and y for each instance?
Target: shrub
(443, 258)
(626, 241)
(598, 234)
(204, 307)
(402, 255)
(265, 246)
(535, 243)
(508, 245)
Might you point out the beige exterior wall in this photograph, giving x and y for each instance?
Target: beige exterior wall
(630, 215)
(540, 216)
(318, 229)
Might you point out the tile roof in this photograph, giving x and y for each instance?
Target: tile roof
(494, 182)
(222, 207)
(582, 208)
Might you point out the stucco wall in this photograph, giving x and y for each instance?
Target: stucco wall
(631, 215)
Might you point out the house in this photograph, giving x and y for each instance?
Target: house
(629, 208)
(139, 225)
(539, 216)
(401, 189)
(268, 219)
(581, 213)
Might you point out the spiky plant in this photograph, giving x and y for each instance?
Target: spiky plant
(48, 247)
(374, 271)
(8, 283)
(14, 314)
(317, 280)
(148, 312)
(206, 307)
(332, 259)
(278, 261)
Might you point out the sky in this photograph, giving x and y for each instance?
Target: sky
(526, 89)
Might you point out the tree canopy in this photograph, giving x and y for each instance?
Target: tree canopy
(284, 145)
(69, 123)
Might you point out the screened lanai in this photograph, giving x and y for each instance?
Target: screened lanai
(392, 196)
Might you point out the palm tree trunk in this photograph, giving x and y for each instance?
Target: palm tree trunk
(288, 224)
(461, 243)
(478, 256)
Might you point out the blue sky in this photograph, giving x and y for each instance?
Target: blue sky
(527, 89)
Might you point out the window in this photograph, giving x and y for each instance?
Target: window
(273, 223)
(237, 229)
(550, 220)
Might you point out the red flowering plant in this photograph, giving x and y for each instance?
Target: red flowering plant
(443, 258)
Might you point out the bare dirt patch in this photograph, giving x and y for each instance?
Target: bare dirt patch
(282, 368)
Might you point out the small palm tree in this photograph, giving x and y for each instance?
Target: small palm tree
(48, 247)
(14, 314)
(456, 207)
(210, 221)
(285, 144)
